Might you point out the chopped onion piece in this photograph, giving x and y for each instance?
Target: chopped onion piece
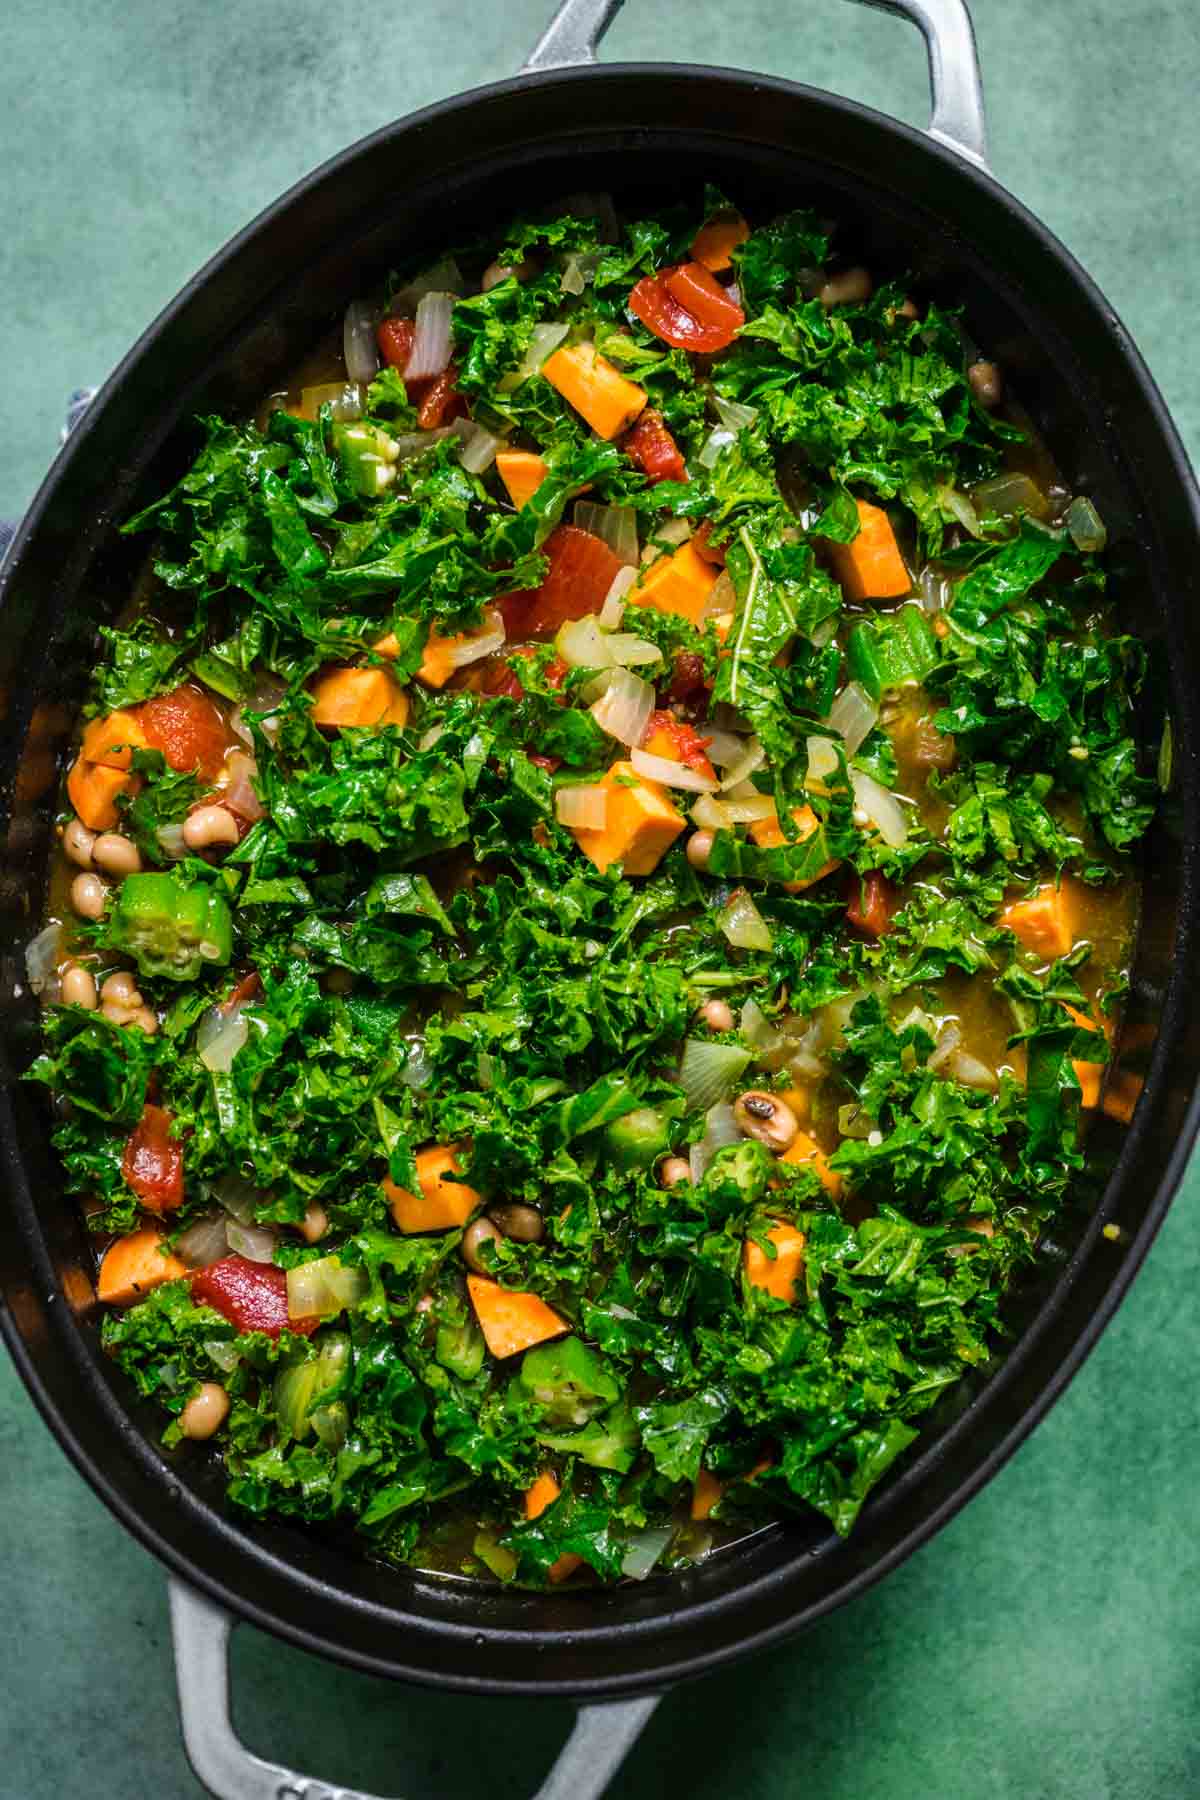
(948, 1040)
(824, 633)
(721, 1130)
(724, 747)
(747, 808)
(171, 842)
(481, 642)
(721, 597)
(971, 1072)
(417, 1072)
(220, 1036)
(358, 341)
(256, 1242)
(222, 1352)
(441, 277)
(957, 504)
(239, 796)
(239, 1197)
(757, 1029)
(630, 652)
(711, 815)
(753, 757)
(881, 808)
(1085, 525)
(42, 956)
(644, 1551)
(671, 533)
(1004, 496)
(671, 773)
(717, 441)
(854, 1122)
(853, 715)
(822, 760)
(623, 711)
(733, 415)
(544, 341)
(479, 445)
(412, 443)
(432, 339)
(707, 1071)
(580, 269)
(614, 525)
(342, 398)
(743, 925)
(613, 610)
(582, 644)
(934, 590)
(317, 1289)
(735, 293)
(584, 806)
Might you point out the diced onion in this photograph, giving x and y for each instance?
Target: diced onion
(240, 796)
(42, 957)
(239, 1197)
(630, 652)
(615, 525)
(358, 341)
(757, 1029)
(733, 415)
(717, 441)
(479, 445)
(724, 747)
(670, 772)
(721, 597)
(822, 760)
(735, 293)
(948, 1040)
(317, 1289)
(220, 1036)
(806, 1059)
(583, 806)
(710, 815)
(222, 1352)
(1006, 495)
(624, 710)
(412, 443)
(582, 644)
(171, 842)
(753, 757)
(613, 610)
(952, 501)
(543, 342)
(970, 1071)
(671, 533)
(579, 271)
(721, 1130)
(644, 1551)
(748, 808)
(934, 590)
(707, 1071)
(417, 1072)
(267, 692)
(342, 398)
(881, 809)
(743, 925)
(824, 633)
(853, 716)
(432, 339)
(441, 277)
(256, 1242)
(479, 643)
(854, 1122)
(1085, 525)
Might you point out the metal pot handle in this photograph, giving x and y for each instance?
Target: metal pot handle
(602, 1736)
(574, 33)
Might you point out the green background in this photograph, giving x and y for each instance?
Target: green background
(1047, 1644)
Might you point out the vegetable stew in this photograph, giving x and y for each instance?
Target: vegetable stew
(595, 894)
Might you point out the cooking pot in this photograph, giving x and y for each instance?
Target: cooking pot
(908, 201)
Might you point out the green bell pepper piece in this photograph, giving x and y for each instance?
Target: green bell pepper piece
(892, 653)
(368, 457)
(171, 926)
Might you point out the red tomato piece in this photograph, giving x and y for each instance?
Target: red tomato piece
(251, 1295)
(153, 1161)
(582, 569)
(687, 677)
(395, 340)
(505, 678)
(549, 763)
(873, 901)
(189, 729)
(687, 307)
(248, 988)
(712, 553)
(688, 745)
(653, 449)
(440, 402)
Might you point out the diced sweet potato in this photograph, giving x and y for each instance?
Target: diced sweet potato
(706, 1491)
(112, 740)
(133, 1266)
(437, 660)
(778, 1275)
(1121, 1095)
(522, 472)
(601, 394)
(641, 825)
(511, 1321)
(807, 1150)
(871, 567)
(679, 583)
(717, 238)
(443, 1201)
(768, 835)
(544, 1493)
(1045, 923)
(92, 789)
(1089, 1075)
(358, 697)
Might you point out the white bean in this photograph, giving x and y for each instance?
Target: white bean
(673, 1171)
(699, 849)
(205, 1412)
(120, 989)
(78, 988)
(315, 1223)
(77, 842)
(210, 825)
(115, 854)
(987, 383)
(717, 1015)
(88, 894)
(850, 288)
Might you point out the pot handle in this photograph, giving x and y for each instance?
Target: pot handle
(574, 33)
(602, 1736)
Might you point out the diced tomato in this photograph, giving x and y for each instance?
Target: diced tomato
(582, 569)
(189, 729)
(653, 449)
(549, 763)
(248, 988)
(395, 340)
(153, 1161)
(687, 307)
(251, 1295)
(701, 544)
(687, 744)
(873, 901)
(687, 677)
(440, 402)
(505, 678)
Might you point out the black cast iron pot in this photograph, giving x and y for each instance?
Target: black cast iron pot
(907, 200)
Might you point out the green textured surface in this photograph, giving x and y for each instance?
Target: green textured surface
(1047, 1645)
